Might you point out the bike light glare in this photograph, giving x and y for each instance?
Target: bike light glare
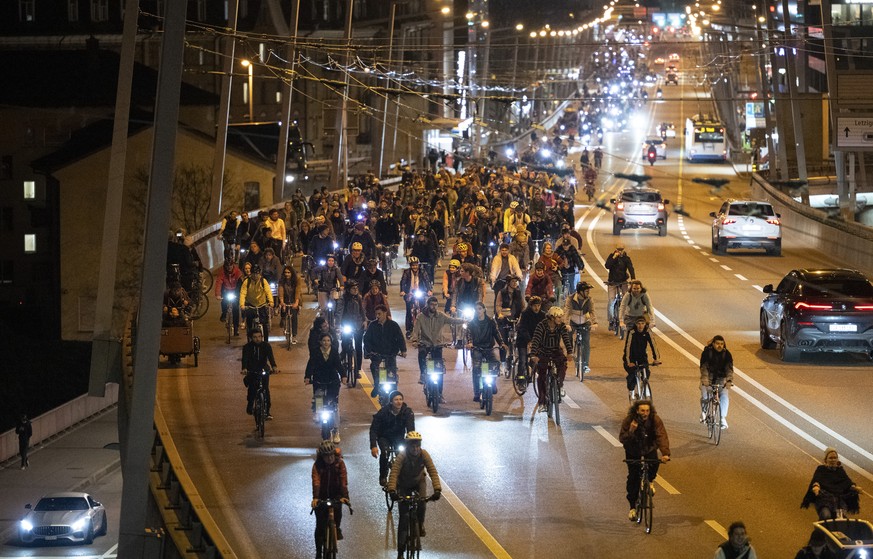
(434, 377)
(545, 153)
(330, 305)
(322, 262)
(364, 206)
(387, 387)
(26, 525)
(325, 416)
(347, 329)
(509, 152)
(468, 313)
(230, 296)
(488, 380)
(335, 245)
(401, 448)
(418, 293)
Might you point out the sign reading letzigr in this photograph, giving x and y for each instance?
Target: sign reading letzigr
(855, 132)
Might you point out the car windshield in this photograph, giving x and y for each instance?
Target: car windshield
(752, 209)
(838, 287)
(635, 196)
(61, 503)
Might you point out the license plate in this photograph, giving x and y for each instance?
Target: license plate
(751, 227)
(50, 538)
(843, 328)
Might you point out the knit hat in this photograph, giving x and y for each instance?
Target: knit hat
(828, 450)
(393, 394)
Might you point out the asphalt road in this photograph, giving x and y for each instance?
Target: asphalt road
(515, 485)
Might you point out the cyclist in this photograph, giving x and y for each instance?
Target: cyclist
(482, 334)
(540, 285)
(817, 547)
(598, 157)
(465, 255)
(225, 282)
(427, 335)
(384, 340)
(502, 266)
(411, 282)
(831, 488)
(257, 356)
(320, 326)
(271, 266)
(328, 278)
(372, 300)
(716, 367)
(354, 266)
(509, 297)
(425, 250)
(350, 312)
(579, 308)
(372, 273)
(620, 269)
(469, 288)
(635, 304)
(290, 287)
(324, 371)
(329, 481)
(256, 299)
(571, 264)
(360, 235)
(388, 429)
(409, 475)
(546, 349)
(527, 324)
(450, 277)
(636, 351)
(277, 233)
(642, 434)
(320, 244)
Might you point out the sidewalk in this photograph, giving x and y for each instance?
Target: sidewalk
(69, 462)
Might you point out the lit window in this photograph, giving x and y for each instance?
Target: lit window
(26, 10)
(72, 10)
(29, 243)
(29, 190)
(99, 10)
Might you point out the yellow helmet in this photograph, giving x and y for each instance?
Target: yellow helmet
(455, 262)
(357, 246)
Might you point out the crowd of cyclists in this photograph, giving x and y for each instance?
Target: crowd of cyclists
(492, 259)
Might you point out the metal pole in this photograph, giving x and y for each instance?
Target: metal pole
(135, 461)
(345, 135)
(248, 64)
(287, 90)
(105, 347)
(397, 103)
(385, 105)
(340, 168)
(216, 207)
(799, 145)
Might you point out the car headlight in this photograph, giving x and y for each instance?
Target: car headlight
(26, 525)
(79, 525)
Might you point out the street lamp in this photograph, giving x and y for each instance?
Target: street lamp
(248, 64)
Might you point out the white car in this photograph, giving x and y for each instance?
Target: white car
(660, 147)
(746, 224)
(75, 517)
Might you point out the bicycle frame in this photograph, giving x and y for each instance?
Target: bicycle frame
(580, 365)
(435, 370)
(329, 546)
(713, 413)
(645, 498)
(413, 536)
(642, 389)
(385, 379)
(259, 406)
(328, 414)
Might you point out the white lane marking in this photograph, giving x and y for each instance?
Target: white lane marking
(719, 529)
(689, 240)
(713, 259)
(110, 552)
(704, 253)
(741, 277)
(667, 487)
(474, 523)
(758, 287)
(695, 247)
(765, 408)
(726, 268)
(569, 401)
(608, 436)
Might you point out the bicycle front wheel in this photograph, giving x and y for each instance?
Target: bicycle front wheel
(556, 400)
(261, 414)
(716, 422)
(648, 507)
(708, 419)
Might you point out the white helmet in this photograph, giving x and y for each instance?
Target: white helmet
(555, 312)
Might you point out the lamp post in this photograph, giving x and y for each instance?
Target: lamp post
(250, 67)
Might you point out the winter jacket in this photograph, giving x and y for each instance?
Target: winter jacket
(408, 472)
(387, 425)
(330, 481)
(384, 339)
(648, 436)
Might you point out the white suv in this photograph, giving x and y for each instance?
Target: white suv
(746, 224)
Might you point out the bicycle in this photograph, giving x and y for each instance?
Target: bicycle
(348, 355)
(435, 371)
(487, 379)
(712, 413)
(287, 327)
(520, 381)
(511, 337)
(613, 308)
(307, 268)
(384, 380)
(257, 326)
(642, 389)
(645, 498)
(413, 528)
(259, 405)
(328, 416)
(467, 313)
(335, 295)
(329, 544)
(230, 297)
(553, 394)
(391, 455)
(581, 367)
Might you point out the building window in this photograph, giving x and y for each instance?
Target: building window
(243, 8)
(72, 10)
(29, 243)
(6, 219)
(201, 10)
(29, 190)
(7, 271)
(26, 10)
(99, 10)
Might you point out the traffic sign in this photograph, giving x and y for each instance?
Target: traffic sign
(855, 132)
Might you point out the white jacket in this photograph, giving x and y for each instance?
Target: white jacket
(497, 263)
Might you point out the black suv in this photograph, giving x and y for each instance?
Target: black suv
(828, 310)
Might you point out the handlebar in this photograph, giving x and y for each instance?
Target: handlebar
(643, 460)
(329, 503)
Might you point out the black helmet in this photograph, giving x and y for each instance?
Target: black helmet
(582, 286)
(351, 283)
(256, 269)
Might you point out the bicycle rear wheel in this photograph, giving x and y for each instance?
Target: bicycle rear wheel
(200, 307)
(518, 384)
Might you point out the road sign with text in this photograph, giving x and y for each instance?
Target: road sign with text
(855, 132)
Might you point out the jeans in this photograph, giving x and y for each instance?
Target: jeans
(631, 378)
(403, 506)
(252, 384)
(357, 336)
(437, 354)
(522, 359)
(291, 314)
(384, 444)
(611, 292)
(582, 333)
(321, 521)
(723, 398)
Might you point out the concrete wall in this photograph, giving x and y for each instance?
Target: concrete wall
(851, 242)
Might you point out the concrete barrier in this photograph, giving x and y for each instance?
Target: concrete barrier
(851, 242)
(58, 420)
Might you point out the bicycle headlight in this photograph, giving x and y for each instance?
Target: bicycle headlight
(468, 313)
(418, 293)
(434, 377)
(347, 329)
(387, 387)
(401, 448)
(230, 297)
(273, 285)
(322, 262)
(26, 525)
(325, 416)
(335, 245)
(488, 379)
(330, 305)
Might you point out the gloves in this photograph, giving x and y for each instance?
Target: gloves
(436, 495)
(393, 495)
(705, 383)
(314, 503)
(728, 384)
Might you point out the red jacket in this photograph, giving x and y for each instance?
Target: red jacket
(226, 281)
(541, 287)
(330, 481)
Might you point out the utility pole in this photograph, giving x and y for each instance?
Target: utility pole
(340, 172)
(387, 89)
(218, 162)
(287, 90)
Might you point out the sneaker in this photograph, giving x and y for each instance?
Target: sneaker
(724, 424)
(269, 417)
(495, 390)
(335, 439)
(374, 392)
(249, 411)
(221, 318)
(541, 409)
(630, 395)
(586, 369)
(653, 488)
(339, 534)
(236, 333)
(632, 515)
(294, 340)
(383, 481)
(702, 416)
(476, 398)
(442, 400)
(23, 467)
(420, 380)
(563, 392)
(359, 375)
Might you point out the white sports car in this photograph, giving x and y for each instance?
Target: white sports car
(75, 517)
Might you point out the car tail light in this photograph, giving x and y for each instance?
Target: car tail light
(619, 206)
(773, 221)
(801, 305)
(864, 307)
(660, 207)
(804, 324)
(729, 221)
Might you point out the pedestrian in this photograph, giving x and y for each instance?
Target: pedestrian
(24, 430)
(817, 547)
(737, 545)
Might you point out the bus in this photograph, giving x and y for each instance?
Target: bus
(704, 139)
